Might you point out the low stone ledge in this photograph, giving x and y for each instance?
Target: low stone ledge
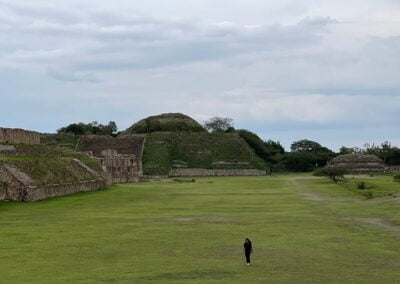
(53, 190)
(216, 172)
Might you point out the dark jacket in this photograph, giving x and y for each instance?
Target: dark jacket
(248, 248)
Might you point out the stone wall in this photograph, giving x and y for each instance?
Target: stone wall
(12, 187)
(17, 186)
(123, 168)
(3, 190)
(54, 190)
(394, 169)
(216, 172)
(19, 136)
(121, 157)
(129, 144)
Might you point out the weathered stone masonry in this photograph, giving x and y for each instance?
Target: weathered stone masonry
(121, 157)
(17, 186)
(19, 136)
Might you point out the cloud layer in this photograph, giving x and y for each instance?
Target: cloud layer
(304, 67)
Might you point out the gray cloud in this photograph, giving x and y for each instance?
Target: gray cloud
(286, 64)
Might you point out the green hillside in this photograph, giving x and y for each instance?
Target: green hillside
(163, 151)
(49, 165)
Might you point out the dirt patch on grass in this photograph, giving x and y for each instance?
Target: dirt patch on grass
(192, 275)
(312, 196)
(193, 219)
(318, 198)
(379, 222)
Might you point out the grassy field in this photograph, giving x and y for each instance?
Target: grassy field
(304, 230)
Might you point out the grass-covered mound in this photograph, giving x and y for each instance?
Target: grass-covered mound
(50, 165)
(163, 151)
(171, 122)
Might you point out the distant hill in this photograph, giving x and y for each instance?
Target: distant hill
(166, 150)
(167, 122)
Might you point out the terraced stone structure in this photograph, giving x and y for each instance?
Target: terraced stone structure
(358, 163)
(16, 185)
(19, 136)
(36, 172)
(122, 156)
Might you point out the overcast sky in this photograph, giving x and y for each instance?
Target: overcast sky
(324, 70)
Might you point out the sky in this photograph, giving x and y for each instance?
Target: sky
(324, 70)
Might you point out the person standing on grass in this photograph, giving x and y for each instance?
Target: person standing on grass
(248, 249)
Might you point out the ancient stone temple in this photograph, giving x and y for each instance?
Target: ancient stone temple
(358, 163)
(122, 156)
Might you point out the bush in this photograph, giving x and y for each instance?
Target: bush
(332, 172)
(396, 178)
(368, 194)
(93, 128)
(361, 185)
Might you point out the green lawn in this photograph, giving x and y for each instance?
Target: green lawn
(304, 230)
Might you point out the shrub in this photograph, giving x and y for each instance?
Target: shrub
(396, 178)
(361, 185)
(332, 172)
(368, 194)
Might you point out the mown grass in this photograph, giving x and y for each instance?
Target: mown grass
(304, 230)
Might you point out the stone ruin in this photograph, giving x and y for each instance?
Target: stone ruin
(358, 163)
(121, 157)
(19, 136)
(15, 185)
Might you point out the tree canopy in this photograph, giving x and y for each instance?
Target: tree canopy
(264, 149)
(94, 128)
(219, 124)
(308, 146)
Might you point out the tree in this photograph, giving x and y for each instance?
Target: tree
(219, 124)
(266, 150)
(305, 156)
(332, 172)
(112, 127)
(388, 153)
(308, 146)
(302, 161)
(274, 148)
(90, 128)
